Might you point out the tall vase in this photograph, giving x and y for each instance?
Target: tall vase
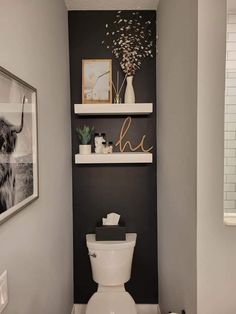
(129, 92)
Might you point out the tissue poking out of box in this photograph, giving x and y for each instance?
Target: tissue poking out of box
(110, 233)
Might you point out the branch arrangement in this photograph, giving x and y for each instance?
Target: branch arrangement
(130, 39)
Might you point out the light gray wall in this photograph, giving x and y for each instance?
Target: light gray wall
(36, 244)
(216, 258)
(177, 154)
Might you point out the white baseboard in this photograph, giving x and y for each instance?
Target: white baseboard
(142, 309)
(148, 309)
(80, 308)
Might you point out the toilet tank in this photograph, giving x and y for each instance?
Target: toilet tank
(111, 261)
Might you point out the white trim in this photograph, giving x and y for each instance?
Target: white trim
(80, 308)
(80, 5)
(148, 309)
(142, 309)
(230, 219)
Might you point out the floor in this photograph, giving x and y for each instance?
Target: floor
(142, 309)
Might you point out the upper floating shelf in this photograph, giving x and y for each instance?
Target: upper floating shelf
(114, 109)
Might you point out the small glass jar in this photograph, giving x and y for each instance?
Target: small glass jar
(99, 138)
(110, 147)
(117, 99)
(105, 147)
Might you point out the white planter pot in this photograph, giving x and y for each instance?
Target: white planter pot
(85, 149)
(129, 92)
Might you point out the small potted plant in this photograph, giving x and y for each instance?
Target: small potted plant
(85, 135)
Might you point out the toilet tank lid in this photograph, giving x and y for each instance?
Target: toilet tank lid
(107, 245)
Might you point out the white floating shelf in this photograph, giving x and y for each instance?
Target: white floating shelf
(114, 158)
(114, 109)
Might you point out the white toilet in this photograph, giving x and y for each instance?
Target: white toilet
(111, 268)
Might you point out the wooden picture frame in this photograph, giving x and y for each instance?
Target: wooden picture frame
(18, 145)
(96, 81)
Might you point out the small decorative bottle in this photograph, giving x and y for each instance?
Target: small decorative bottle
(99, 138)
(104, 147)
(110, 147)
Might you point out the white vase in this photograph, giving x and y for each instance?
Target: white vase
(85, 149)
(129, 92)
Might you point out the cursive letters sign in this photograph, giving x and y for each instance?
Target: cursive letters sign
(123, 132)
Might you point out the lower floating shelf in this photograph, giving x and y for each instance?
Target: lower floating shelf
(114, 158)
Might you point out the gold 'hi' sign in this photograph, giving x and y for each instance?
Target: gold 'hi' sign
(123, 132)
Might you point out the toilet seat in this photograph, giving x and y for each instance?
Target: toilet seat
(111, 303)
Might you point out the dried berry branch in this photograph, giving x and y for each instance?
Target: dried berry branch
(130, 39)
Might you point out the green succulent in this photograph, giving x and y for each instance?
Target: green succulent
(85, 134)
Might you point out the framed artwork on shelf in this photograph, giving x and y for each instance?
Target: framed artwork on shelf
(96, 81)
(18, 145)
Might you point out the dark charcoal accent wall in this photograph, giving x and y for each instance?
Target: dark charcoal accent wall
(127, 189)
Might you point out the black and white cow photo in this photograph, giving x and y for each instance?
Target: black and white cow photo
(18, 145)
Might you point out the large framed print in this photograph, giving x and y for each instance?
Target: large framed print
(18, 144)
(96, 81)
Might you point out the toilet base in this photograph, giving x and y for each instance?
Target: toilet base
(119, 302)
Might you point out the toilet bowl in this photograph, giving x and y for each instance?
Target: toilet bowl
(111, 263)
